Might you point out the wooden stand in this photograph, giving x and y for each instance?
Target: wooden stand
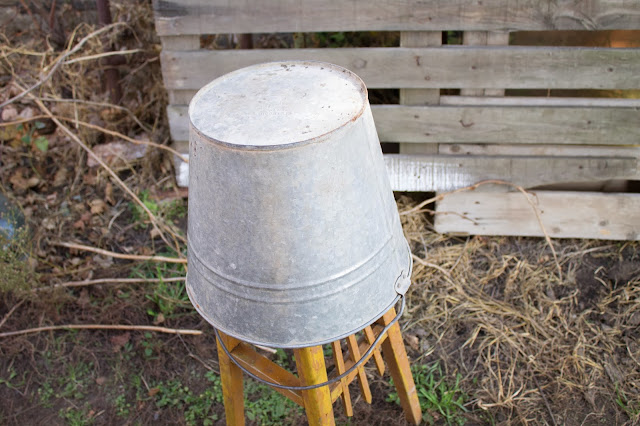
(318, 403)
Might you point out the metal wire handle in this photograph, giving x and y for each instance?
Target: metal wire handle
(328, 382)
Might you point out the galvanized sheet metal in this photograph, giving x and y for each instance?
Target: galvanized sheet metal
(294, 235)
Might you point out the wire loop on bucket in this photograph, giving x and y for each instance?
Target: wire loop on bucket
(330, 381)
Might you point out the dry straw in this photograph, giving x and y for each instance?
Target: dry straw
(495, 310)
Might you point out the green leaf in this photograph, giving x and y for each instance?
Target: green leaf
(42, 143)
(40, 125)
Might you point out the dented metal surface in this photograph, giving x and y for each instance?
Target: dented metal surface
(294, 235)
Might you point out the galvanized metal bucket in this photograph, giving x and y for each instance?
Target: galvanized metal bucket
(294, 237)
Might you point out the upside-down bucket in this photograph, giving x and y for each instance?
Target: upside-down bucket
(294, 237)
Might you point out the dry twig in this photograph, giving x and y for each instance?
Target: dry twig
(58, 62)
(122, 255)
(101, 327)
(101, 55)
(84, 283)
(152, 218)
(127, 138)
(13, 309)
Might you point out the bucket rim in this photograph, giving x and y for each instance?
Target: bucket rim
(246, 339)
(276, 147)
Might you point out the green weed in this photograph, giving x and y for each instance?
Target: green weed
(197, 409)
(77, 416)
(45, 392)
(327, 350)
(630, 407)
(10, 382)
(139, 215)
(29, 138)
(267, 407)
(438, 397)
(168, 297)
(169, 211)
(281, 358)
(149, 344)
(76, 382)
(123, 407)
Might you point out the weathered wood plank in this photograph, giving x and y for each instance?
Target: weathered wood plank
(185, 42)
(443, 173)
(474, 38)
(563, 214)
(460, 124)
(488, 67)
(518, 101)
(221, 16)
(540, 150)
(496, 38)
(528, 125)
(446, 173)
(419, 96)
(181, 97)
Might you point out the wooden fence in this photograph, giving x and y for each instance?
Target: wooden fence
(450, 142)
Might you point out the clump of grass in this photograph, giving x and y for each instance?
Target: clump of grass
(16, 272)
(197, 408)
(168, 211)
(630, 406)
(267, 407)
(439, 398)
(169, 298)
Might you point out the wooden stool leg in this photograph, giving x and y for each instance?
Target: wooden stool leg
(231, 378)
(312, 370)
(396, 357)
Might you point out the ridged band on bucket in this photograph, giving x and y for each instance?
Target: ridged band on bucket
(294, 237)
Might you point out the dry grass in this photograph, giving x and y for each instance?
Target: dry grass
(529, 345)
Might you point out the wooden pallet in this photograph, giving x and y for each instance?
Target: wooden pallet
(449, 142)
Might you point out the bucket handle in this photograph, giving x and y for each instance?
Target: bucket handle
(330, 381)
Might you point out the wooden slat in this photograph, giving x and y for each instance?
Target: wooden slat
(221, 16)
(267, 370)
(541, 150)
(396, 356)
(181, 97)
(312, 370)
(483, 38)
(563, 214)
(184, 42)
(354, 355)
(616, 185)
(448, 172)
(338, 360)
(496, 38)
(529, 125)
(518, 101)
(499, 124)
(474, 38)
(377, 356)
(363, 345)
(489, 67)
(419, 96)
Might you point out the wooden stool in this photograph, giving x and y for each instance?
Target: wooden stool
(318, 403)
